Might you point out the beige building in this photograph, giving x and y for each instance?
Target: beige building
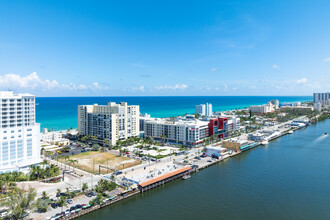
(112, 122)
(263, 109)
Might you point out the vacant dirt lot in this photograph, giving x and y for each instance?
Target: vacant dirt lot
(90, 161)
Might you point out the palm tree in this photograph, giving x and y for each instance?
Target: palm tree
(65, 159)
(163, 136)
(73, 161)
(61, 202)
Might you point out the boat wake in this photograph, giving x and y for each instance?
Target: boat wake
(321, 138)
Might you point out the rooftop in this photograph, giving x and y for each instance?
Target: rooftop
(10, 94)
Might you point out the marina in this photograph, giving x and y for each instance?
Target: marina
(183, 173)
(237, 180)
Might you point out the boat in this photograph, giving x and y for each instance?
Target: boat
(186, 177)
(265, 142)
(326, 133)
(290, 132)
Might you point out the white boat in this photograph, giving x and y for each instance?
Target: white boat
(290, 132)
(186, 177)
(265, 142)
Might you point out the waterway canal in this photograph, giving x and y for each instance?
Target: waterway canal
(288, 179)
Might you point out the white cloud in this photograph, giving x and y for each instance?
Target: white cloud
(34, 82)
(214, 69)
(141, 88)
(326, 59)
(301, 81)
(275, 66)
(175, 87)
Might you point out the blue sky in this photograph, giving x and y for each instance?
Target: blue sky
(119, 48)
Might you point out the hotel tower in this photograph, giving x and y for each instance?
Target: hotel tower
(19, 133)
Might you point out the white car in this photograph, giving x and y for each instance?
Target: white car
(4, 214)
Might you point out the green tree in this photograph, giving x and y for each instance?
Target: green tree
(19, 201)
(61, 202)
(44, 195)
(41, 205)
(84, 187)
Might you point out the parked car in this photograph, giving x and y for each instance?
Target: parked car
(88, 194)
(210, 161)
(78, 206)
(197, 158)
(194, 166)
(54, 205)
(213, 156)
(117, 173)
(69, 201)
(72, 208)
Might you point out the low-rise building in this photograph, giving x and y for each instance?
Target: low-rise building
(256, 136)
(298, 107)
(190, 132)
(216, 151)
(53, 137)
(263, 109)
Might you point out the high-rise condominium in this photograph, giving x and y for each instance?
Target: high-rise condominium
(204, 109)
(110, 122)
(19, 133)
(321, 97)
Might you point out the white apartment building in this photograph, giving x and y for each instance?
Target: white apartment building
(269, 107)
(19, 133)
(53, 137)
(321, 97)
(201, 109)
(189, 132)
(318, 106)
(112, 122)
(236, 123)
(204, 109)
(276, 104)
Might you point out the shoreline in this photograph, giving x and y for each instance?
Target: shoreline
(148, 106)
(136, 192)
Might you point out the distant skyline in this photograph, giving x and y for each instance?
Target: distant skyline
(151, 48)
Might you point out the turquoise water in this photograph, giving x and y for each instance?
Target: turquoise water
(61, 112)
(288, 179)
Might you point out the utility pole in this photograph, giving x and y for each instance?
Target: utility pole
(91, 181)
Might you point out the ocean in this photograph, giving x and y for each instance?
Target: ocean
(60, 113)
